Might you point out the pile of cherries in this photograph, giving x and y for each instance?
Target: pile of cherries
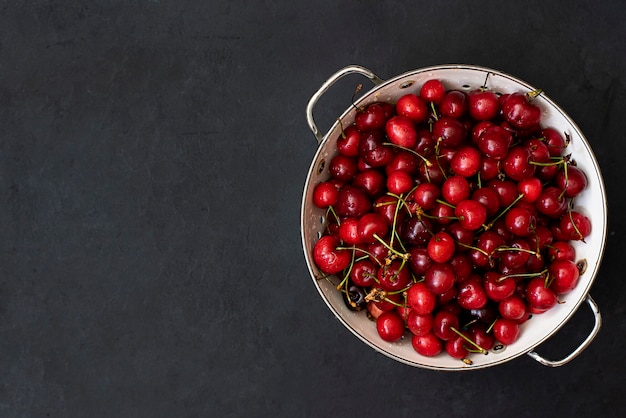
(450, 217)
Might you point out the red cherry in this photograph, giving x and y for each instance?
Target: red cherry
(420, 299)
(443, 322)
(419, 324)
(488, 198)
(513, 308)
(538, 295)
(394, 276)
(456, 347)
(441, 248)
(564, 274)
(454, 104)
(372, 149)
(520, 221)
(506, 331)
(372, 225)
(373, 117)
(494, 142)
(483, 104)
(472, 214)
(352, 202)
(575, 225)
(419, 261)
(466, 161)
(401, 131)
(403, 161)
(471, 294)
(450, 132)
(412, 107)
(416, 230)
(427, 344)
(478, 333)
(439, 278)
(517, 163)
(520, 113)
(554, 141)
(551, 202)
(561, 250)
(572, 180)
(328, 258)
(349, 231)
(433, 91)
(348, 141)
(425, 195)
(371, 181)
(497, 287)
(399, 182)
(325, 194)
(455, 189)
(531, 188)
(390, 326)
(363, 273)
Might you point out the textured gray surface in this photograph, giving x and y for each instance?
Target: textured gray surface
(152, 158)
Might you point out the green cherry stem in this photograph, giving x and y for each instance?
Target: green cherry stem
(466, 338)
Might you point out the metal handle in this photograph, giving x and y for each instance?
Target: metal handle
(352, 69)
(581, 347)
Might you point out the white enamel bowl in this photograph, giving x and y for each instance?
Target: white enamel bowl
(592, 202)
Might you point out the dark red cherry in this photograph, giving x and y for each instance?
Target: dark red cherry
(412, 107)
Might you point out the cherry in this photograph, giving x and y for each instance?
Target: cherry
(354, 297)
(443, 323)
(441, 247)
(352, 202)
(488, 198)
(575, 226)
(478, 333)
(416, 230)
(456, 347)
(328, 258)
(372, 149)
(370, 226)
(343, 168)
(520, 221)
(371, 181)
(506, 331)
(471, 213)
(471, 294)
(390, 326)
(462, 236)
(425, 195)
(554, 141)
(561, 250)
(516, 253)
(373, 117)
(455, 189)
(551, 202)
(439, 277)
(530, 188)
(454, 104)
(401, 131)
(433, 91)
(413, 107)
(489, 168)
(517, 163)
(477, 130)
(348, 141)
(419, 261)
(399, 182)
(325, 194)
(394, 276)
(538, 295)
(425, 143)
(449, 132)
(485, 248)
(462, 266)
(518, 111)
(403, 161)
(466, 162)
(427, 344)
(513, 307)
(433, 170)
(419, 324)
(564, 275)
(363, 273)
(494, 142)
(483, 104)
(349, 231)
(444, 213)
(572, 180)
(497, 287)
(420, 299)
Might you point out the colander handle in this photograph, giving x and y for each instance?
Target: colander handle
(581, 347)
(352, 69)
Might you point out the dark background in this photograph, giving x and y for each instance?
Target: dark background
(152, 160)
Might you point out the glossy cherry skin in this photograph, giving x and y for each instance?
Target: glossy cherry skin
(433, 91)
(561, 250)
(394, 276)
(575, 225)
(425, 195)
(449, 131)
(363, 273)
(551, 203)
(497, 287)
(390, 326)
(519, 112)
(443, 322)
(494, 142)
(466, 162)
(370, 226)
(401, 131)
(373, 117)
(483, 104)
(421, 299)
(328, 258)
(572, 180)
(412, 107)
(538, 295)
(372, 149)
(454, 104)
(506, 331)
(471, 213)
(565, 276)
(513, 308)
(352, 202)
(439, 278)
(455, 189)
(325, 194)
(554, 141)
(419, 324)
(427, 344)
(419, 261)
(348, 141)
(441, 247)
(456, 347)
(517, 164)
(471, 294)
(371, 181)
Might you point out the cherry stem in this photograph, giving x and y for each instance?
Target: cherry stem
(412, 151)
(518, 275)
(393, 250)
(432, 106)
(484, 86)
(356, 91)
(565, 173)
(469, 340)
(532, 95)
(343, 134)
(331, 210)
(505, 210)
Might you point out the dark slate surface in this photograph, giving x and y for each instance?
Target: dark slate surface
(152, 158)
